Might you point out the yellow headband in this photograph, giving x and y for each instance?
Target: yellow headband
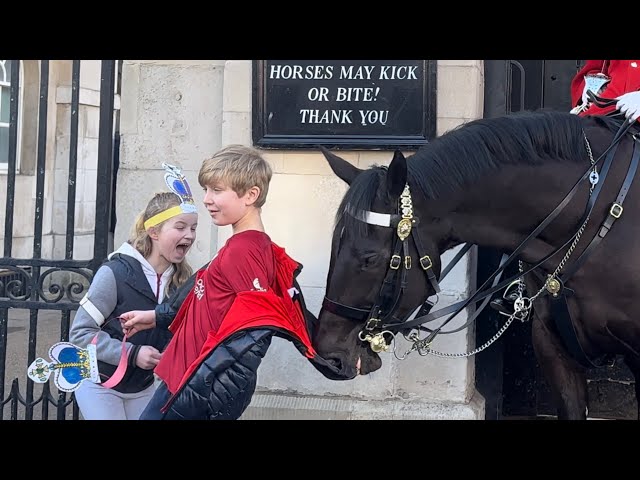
(178, 184)
(162, 216)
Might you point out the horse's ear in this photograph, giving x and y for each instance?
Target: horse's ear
(396, 175)
(343, 169)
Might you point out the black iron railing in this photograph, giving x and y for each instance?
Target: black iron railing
(33, 290)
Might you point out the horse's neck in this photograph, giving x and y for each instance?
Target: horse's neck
(500, 210)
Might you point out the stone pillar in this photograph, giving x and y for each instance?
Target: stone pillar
(171, 112)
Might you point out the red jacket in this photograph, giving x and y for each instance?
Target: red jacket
(273, 307)
(625, 78)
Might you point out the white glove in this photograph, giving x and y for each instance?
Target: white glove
(581, 107)
(585, 99)
(629, 104)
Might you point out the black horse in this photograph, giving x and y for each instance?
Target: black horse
(535, 185)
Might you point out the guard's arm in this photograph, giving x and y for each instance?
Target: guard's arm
(629, 104)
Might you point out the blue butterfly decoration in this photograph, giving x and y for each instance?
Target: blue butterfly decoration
(179, 185)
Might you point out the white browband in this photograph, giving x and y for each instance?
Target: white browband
(373, 218)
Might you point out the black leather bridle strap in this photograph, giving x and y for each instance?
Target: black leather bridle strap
(342, 310)
(481, 293)
(425, 261)
(614, 213)
(463, 251)
(478, 311)
(427, 305)
(388, 291)
(601, 101)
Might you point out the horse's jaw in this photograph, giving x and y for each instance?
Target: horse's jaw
(367, 360)
(348, 365)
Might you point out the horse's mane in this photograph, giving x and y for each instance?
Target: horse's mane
(464, 153)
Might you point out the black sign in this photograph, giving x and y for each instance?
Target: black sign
(356, 104)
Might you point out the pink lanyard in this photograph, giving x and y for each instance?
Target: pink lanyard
(122, 364)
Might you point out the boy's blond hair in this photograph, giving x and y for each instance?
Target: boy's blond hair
(240, 168)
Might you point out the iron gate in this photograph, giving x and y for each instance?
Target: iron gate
(40, 293)
(507, 374)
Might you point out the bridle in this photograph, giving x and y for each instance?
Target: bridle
(381, 313)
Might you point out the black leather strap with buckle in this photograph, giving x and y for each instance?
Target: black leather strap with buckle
(614, 213)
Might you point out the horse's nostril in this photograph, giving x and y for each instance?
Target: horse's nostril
(334, 368)
(335, 362)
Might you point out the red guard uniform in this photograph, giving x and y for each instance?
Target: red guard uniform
(624, 78)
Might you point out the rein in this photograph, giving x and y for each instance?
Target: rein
(611, 150)
(552, 285)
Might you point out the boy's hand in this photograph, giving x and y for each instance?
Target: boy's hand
(137, 320)
(148, 357)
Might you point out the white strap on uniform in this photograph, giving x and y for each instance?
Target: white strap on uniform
(91, 309)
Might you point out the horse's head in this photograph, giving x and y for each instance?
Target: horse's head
(371, 281)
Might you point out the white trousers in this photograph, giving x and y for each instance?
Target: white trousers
(99, 403)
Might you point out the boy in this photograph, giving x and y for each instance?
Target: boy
(239, 301)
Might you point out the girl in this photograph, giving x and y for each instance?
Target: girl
(139, 275)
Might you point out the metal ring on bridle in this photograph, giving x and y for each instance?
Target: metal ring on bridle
(522, 304)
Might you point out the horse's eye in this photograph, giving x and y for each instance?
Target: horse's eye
(370, 259)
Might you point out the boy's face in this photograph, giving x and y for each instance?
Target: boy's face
(224, 204)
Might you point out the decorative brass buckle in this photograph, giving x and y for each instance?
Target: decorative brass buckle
(553, 285)
(424, 264)
(373, 323)
(616, 210)
(404, 228)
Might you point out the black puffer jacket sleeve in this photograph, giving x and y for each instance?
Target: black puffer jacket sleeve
(222, 386)
(166, 311)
